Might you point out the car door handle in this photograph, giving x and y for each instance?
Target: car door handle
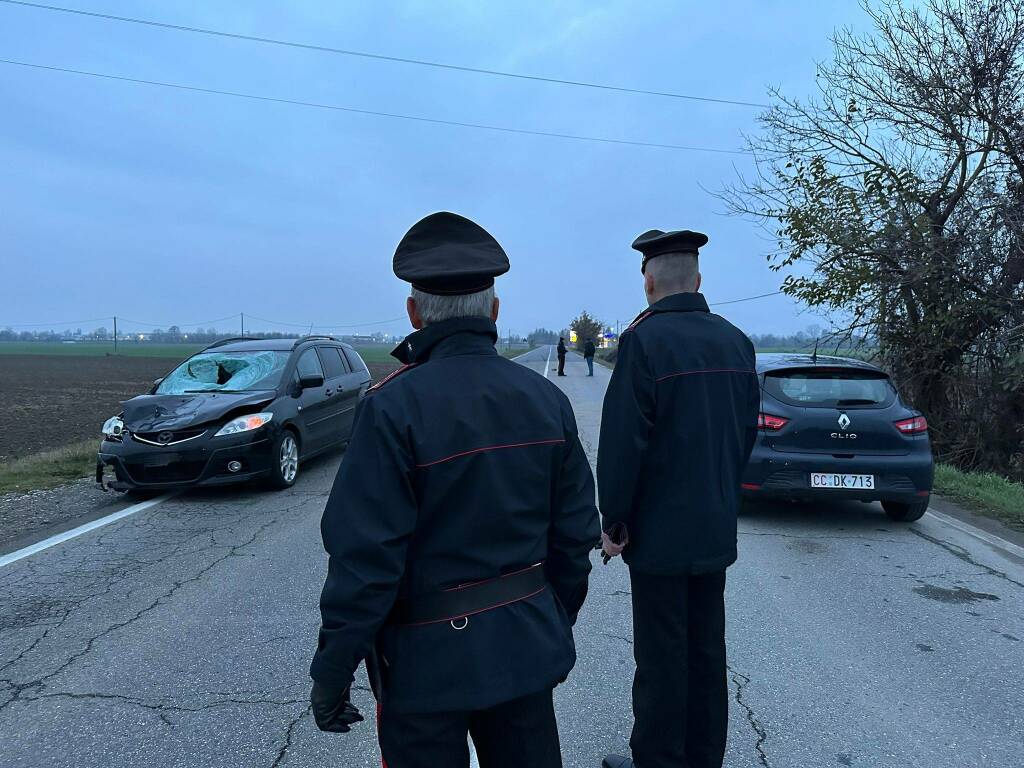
(329, 392)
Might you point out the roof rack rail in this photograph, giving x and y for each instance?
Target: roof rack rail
(232, 340)
(313, 337)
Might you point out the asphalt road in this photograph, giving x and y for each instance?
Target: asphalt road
(181, 635)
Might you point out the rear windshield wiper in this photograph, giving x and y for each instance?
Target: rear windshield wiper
(856, 401)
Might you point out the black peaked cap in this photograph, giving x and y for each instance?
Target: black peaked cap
(654, 242)
(449, 255)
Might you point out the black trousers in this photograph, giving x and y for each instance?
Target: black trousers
(518, 734)
(561, 365)
(680, 692)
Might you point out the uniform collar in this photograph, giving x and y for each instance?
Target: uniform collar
(681, 302)
(458, 336)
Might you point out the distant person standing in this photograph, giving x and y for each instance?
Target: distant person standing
(561, 356)
(588, 354)
(679, 422)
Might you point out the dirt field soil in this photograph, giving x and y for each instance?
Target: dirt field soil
(48, 401)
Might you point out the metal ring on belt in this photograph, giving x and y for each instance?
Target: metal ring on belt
(453, 605)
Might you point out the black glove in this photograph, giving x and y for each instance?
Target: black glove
(618, 534)
(333, 709)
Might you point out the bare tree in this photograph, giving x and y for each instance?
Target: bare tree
(896, 195)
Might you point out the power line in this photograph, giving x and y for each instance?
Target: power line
(52, 325)
(179, 325)
(746, 298)
(321, 325)
(393, 115)
(381, 57)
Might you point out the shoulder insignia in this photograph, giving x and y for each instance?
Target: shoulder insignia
(390, 376)
(640, 318)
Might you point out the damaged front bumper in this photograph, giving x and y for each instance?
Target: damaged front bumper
(132, 465)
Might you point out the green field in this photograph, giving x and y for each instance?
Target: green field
(98, 349)
(375, 353)
(371, 353)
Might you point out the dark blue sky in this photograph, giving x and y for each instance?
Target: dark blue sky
(174, 207)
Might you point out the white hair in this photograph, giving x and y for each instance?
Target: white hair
(434, 308)
(674, 273)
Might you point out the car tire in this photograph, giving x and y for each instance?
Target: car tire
(905, 513)
(284, 460)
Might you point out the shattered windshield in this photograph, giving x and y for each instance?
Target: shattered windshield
(225, 372)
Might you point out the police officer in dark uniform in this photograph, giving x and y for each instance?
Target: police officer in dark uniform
(679, 422)
(561, 350)
(459, 530)
(589, 350)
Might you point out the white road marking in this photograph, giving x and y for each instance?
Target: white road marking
(60, 538)
(970, 530)
(547, 365)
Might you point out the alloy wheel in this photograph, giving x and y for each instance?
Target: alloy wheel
(289, 459)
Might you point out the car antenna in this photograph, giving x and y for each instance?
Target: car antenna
(814, 355)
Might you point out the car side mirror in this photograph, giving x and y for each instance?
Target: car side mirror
(156, 383)
(311, 382)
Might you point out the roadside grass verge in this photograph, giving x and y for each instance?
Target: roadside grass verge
(984, 493)
(514, 351)
(49, 468)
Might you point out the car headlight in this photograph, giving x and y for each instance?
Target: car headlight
(245, 423)
(113, 428)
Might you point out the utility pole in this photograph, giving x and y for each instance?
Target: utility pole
(243, 323)
(115, 334)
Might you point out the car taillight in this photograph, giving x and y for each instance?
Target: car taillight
(771, 423)
(915, 426)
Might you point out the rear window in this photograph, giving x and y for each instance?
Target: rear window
(354, 360)
(333, 362)
(835, 388)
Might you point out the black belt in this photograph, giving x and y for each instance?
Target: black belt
(460, 602)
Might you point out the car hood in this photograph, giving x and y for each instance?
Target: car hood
(152, 413)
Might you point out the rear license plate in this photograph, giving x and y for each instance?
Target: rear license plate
(842, 482)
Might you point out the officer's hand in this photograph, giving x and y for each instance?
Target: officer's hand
(333, 709)
(611, 549)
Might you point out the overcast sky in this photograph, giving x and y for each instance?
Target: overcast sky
(169, 206)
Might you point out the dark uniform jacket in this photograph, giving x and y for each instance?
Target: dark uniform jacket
(463, 467)
(589, 349)
(679, 423)
(561, 349)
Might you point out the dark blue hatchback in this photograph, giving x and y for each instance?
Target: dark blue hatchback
(836, 428)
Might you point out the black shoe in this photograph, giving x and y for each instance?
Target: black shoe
(617, 761)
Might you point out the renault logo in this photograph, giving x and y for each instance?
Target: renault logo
(844, 421)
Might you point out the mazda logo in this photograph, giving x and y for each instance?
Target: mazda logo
(165, 437)
(844, 421)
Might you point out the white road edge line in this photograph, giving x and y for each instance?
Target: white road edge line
(474, 761)
(978, 533)
(547, 364)
(60, 538)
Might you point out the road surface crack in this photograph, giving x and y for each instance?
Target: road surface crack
(825, 537)
(742, 681)
(962, 554)
(618, 637)
(40, 682)
(289, 735)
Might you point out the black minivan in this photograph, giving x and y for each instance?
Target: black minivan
(242, 409)
(836, 428)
